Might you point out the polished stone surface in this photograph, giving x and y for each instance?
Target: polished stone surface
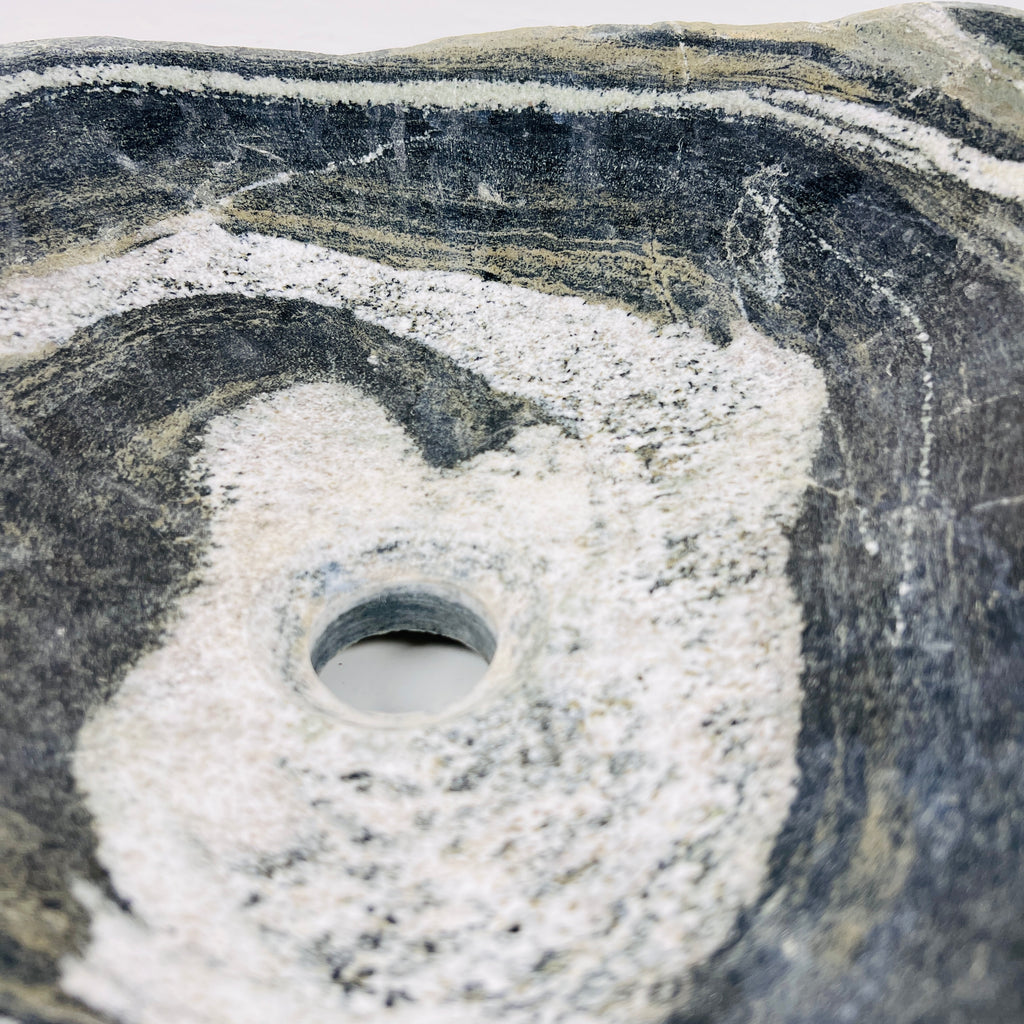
(677, 369)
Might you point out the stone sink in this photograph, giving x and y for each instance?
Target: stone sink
(676, 370)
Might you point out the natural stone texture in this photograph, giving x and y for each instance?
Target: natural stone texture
(687, 358)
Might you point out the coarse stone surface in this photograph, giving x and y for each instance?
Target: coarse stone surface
(681, 364)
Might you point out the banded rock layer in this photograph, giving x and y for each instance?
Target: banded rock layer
(686, 358)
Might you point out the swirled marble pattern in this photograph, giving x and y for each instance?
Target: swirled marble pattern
(689, 358)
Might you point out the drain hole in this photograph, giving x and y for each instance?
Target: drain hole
(402, 652)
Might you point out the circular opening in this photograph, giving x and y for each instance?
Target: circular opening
(402, 652)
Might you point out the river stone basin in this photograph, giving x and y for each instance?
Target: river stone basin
(677, 370)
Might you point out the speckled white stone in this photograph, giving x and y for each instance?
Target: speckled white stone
(592, 817)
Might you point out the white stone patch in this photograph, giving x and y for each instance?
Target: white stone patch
(584, 826)
(840, 123)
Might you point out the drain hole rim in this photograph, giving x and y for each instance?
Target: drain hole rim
(410, 609)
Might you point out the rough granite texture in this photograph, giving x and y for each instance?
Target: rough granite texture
(686, 360)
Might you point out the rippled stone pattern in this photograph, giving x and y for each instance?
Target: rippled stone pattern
(686, 360)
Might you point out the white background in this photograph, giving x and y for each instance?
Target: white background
(350, 26)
